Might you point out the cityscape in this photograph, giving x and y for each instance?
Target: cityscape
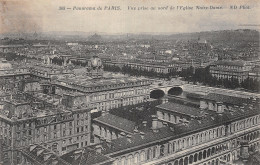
(180, 99)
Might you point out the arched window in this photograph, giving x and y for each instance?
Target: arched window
(180, 144)
(142, 157)
(184, 143)
(162, 150)
(154, 152)
(116, 162)
(169, 149)
(173, 147)
(198, 139)
(123, 162)
(191, 159)
(149, 154)
(204, 154)
(189, 141)
(196, 157)
(200, 155)
(136, 158)
(213, 150)
(181, 162)
(217, 161)
(208, 152)
(130, 160)
(186, 161)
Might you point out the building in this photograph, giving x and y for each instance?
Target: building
(198, 137)
(255, 73)
(230, 69)
(28, 119)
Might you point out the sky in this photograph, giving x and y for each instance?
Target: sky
(18, 16)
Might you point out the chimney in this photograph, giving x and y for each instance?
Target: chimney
(77, 154)
(54, 161)
(32, 147)
(98, 148)
(46, 156)
(103, 112)
(142, 135)
(219, 107)
(122, 134)
(244, 154)
(165, 124)
(128, 137)
(144, 123)
(39, 151)
(154, 123)
(109, 143)
(164, 100)
(136, 131)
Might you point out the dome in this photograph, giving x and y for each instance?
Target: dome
(96, 62)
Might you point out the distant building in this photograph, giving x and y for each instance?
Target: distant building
(255, 73)
(230, 69)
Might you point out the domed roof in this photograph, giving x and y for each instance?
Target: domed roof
(5, 65)
(95, 61)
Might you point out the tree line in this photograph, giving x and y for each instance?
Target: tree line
(194, 75)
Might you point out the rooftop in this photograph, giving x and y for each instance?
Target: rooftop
(174, 131)
(117, 122)
(231, 63)
(181, 109)
(225, 98)
(86, 156)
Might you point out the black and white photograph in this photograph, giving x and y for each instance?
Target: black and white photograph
(129, 82)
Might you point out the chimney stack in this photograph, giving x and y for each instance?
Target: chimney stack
(46, 156)
(136, 130)
(154, 123)
(122, 134)
(98, 148)
(144, 123)
(165, 100)
(219, 107)
(109, 143)
(103, 112)
(77, 154)
(142, 135)
(129, 138)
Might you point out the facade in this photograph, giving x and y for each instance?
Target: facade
(255, 73)
(158, 67)
(210, 138)
(104, 94)
(230, 69)
(25, 120)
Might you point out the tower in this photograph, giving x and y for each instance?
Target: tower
(95, 67)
